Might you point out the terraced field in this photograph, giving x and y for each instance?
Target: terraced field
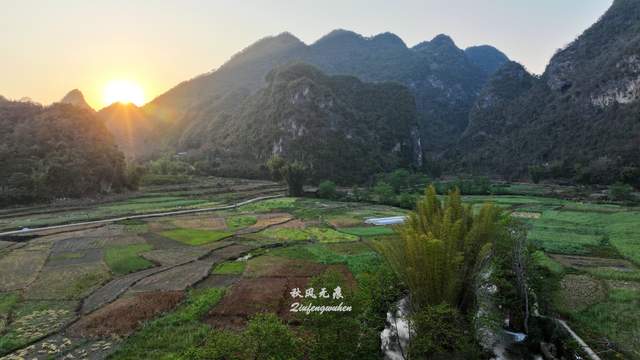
(97, 292)
(134, 288)
(592, 253)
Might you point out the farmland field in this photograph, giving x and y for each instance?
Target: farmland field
(165, 285)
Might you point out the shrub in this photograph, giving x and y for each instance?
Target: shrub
(440, 333)
(327, 190)
(383, 192)
(621, 192)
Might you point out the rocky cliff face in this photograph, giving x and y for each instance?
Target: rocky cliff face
(584, 106)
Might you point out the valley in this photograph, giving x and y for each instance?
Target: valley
(156, 278)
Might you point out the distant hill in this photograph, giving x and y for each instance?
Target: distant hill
(55, 151)
(441, 77)
(486, 57)
(344, 129)
(136, 133)
(579, 120)
(76, 98)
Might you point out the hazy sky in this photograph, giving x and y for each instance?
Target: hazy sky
(48, 47)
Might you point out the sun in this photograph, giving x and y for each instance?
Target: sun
(123, 91)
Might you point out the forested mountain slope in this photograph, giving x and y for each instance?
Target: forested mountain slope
(341, 127)
(55, 151)
(443, 79)
(580, 119)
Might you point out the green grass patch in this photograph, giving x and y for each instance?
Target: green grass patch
(544, 261)
(126, 259)
(325, 235)
(240, 222)
(8, 301)
(617, 318)
(368, 231)
(359, 262)
(613, 274)
(196, 237)
(173, 335)
(269, 205)
(230, 267)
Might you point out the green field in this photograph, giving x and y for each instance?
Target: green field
(126, 259)
(196, 237)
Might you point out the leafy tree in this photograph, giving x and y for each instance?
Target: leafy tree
(399, 179)
(327, 190)
(295, 175)
(384, 192)
(536, 173)
(276, 165)
(440, 247)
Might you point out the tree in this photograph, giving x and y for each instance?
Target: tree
(294, 175)
(276, 164)
(384, 192)
(327, 190)
(440, 247)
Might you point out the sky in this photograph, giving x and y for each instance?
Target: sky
(48, 47)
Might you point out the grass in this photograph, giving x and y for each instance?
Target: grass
(368, 231)
(325, 235)
(173, 335)
(126, 259)
(230, 268)
(240, 222)
(617, 318)
(34, 319)
(612, 274)
(269, 205)
(196, 237)
(7, 302)
(359, 262)
(543, 260)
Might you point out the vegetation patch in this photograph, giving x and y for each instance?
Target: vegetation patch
(241, 221)
(19, 268)
(230, 267)
(326, 235)
(67, 282)
(366, 231)
(126, 259)
(269, 205)
(35, 319)
(125, 315)
(577, 292)
(175, 334)
(616, 318)
(201, 222)
(196, 237)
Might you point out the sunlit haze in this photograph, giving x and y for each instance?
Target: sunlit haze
(123, 91)
(51, 47)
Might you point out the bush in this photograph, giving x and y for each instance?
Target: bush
(327, 190)
(384, 192)
(621, 192)
(266, 337)
(440, 333)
